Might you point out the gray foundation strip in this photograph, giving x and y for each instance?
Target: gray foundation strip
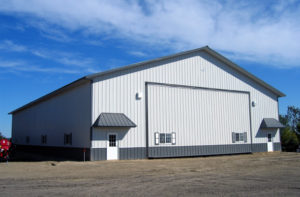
(132, 153)
(98, 154)
(182, 151)
(263, 147)
(189, 151)
(277, 146)
(50, 153)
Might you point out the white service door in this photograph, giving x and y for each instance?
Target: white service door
(270, 142)
(112, 147)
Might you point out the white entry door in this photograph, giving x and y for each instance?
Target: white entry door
(112, 147)
(270, 142)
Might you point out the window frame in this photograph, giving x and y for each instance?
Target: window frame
(27, 139)
(168, 138)
(240, 137)
(165, 138)
(162, 140)
(269, 137)
(237, 137)
(68, 139)
(43, 139)
(112, 142)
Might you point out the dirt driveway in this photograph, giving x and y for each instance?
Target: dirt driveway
(263, 174)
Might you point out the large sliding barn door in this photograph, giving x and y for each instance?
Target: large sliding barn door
(202, 121)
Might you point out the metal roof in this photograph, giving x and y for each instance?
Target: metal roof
(69, 86)
(270, 123)
(131, 66)
(113, 120)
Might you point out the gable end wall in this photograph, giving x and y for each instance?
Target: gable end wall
(117, 92)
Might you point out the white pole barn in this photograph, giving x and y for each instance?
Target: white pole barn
(192, 103)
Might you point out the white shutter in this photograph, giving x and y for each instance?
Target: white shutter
(173, 138)
(156, 138)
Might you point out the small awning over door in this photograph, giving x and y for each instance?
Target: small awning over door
(113, 120)
(270, 123)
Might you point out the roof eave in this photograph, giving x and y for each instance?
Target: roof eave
(71, 85)
(243, 71)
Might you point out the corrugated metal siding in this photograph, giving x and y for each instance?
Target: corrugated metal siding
(99, 143)
(259, 147)
(99, 136)
(197, 116)
(277, 146)
(68, 112)
(263, 147)
(184, 151)
(132, 153)
(52, 153)
(98, 154)
(117, 93)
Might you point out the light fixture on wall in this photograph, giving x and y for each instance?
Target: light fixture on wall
(139, 96)
(253, 103)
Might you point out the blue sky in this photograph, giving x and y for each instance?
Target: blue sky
(47, 44)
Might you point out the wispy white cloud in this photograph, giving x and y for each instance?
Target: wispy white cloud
(17, 66)
(65, 58)
(70, 63)
(11, 46)
(62, 57)
(10, 64)
(76, 62)
(262, 31)
(137, 53)
(50, 32)
(94, 42)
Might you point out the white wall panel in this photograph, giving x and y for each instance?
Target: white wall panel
(99, 139)
(68, 112)
(116, 92)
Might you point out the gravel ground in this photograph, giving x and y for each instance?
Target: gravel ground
(260, 174)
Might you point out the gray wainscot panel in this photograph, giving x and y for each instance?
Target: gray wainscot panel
(132, 153)
(185, 151)
(262, 147)
(277, 146)
(98, 154)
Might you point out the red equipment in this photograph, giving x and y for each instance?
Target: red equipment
(5, 146)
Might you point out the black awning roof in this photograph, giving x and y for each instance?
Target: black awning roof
(270, 123)
(113, 120)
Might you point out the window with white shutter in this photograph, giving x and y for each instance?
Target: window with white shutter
(164, 138)
(239, 137)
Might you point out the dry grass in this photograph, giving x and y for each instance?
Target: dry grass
(263, 174)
